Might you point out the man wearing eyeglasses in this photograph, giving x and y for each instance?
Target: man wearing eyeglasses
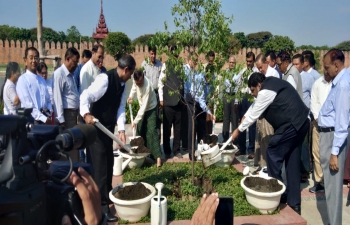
(66, 95)
(290, 73)
(31, 89)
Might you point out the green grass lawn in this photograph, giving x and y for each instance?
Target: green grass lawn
(225, 181)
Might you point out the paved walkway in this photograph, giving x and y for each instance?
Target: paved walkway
(313, 206)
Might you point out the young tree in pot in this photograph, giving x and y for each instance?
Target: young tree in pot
(201, 27)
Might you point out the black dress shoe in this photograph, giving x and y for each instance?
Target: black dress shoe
(110, 217)
(297, 209)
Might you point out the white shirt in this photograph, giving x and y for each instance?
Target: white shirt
(88, 74)
(271, 72)
(152, 71)
(49, 86)
(94, 92)
(65, 92)
(314, 73)
(146, 97)
(262, 101)
(32, 92)
(9, 97)
(239, 79)
(160, 82)
(319, 93)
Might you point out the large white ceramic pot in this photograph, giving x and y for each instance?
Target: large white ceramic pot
(132, 210)
(265, 202)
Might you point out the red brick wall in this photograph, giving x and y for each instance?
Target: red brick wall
(14, 51)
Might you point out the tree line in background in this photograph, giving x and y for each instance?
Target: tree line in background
(118, 43)
(22, 34)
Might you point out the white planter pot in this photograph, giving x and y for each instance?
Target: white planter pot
(136, 162)
(265, 202)
(132, 210)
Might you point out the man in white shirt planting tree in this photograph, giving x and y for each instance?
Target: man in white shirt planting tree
(145, 121)
(278, 102)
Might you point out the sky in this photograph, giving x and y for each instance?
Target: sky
(306, 22)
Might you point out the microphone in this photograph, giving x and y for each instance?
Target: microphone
(80, 136)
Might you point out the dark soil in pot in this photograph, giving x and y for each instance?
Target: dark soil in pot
(132, 192)
(140, 149)
(210, 139)
(262, 185)
(137, 142)
(228, 147)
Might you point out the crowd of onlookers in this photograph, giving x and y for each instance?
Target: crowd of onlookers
(80, 92)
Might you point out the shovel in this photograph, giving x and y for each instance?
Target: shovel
(132, 122)
(213, 132)
(111, 135)
(213, 155)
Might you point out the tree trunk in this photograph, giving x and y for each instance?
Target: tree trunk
(40, 27)
(192, 144)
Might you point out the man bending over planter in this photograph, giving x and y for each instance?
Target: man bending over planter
(146, 119)
(280, 104)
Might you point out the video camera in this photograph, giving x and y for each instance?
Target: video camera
(33, 191)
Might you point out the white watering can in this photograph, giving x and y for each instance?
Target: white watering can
(119, 165)
(159, 207)
(201, 148)
(213, 154)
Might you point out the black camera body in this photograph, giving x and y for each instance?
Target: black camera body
(31, 190)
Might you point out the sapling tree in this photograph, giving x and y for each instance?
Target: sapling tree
(200, 27)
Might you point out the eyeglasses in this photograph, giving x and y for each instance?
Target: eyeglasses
(36, 59)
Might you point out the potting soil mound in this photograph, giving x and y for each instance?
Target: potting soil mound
(228, 147)
(210, 139)
(132, 192)
(140, 149)
(137, 142)
(262, 185)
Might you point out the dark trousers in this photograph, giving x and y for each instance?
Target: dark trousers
(70, 120)
(230, 117)
(172, 117)
(184, 127)
(284, 148)
(102, 160)
(242, 109)
(199, 122)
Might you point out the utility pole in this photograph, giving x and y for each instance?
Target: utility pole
(40, 28)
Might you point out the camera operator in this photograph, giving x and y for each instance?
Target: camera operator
(90, 197)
